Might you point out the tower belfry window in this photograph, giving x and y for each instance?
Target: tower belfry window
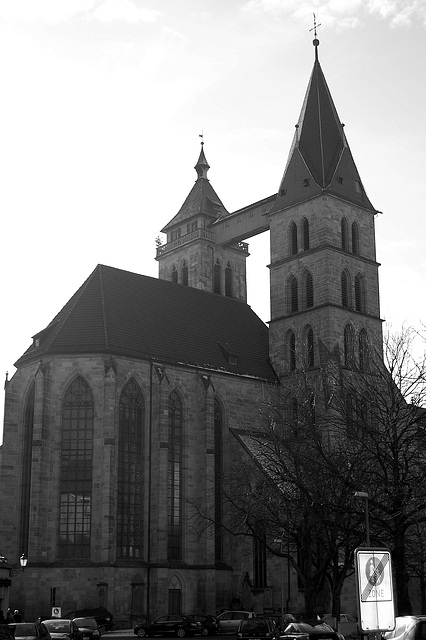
(359, 293)
(305, 234)
(309, 290)
(355, 238)
(344, 234)
(293, 239)
(345, 289)
(293, 292)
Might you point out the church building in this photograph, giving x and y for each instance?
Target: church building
(123, 412)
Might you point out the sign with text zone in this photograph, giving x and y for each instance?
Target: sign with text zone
(375, 590)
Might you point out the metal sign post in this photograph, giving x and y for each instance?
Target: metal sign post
(375, 590)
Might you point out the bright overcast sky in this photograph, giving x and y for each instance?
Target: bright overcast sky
(103, 102)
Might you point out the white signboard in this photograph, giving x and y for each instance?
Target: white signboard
(375, 590)
(56, 612)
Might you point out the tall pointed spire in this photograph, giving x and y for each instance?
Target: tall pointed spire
(320, 159)
(202, 199)
(202, 165)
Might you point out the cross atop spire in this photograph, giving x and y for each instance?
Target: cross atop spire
(315, 41)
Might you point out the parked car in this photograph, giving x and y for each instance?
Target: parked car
(407, 628)
(61, 629)
(256, 628)
(305, 631)
(102, 616)
(88, 627)
(228, 621)
(30, 630)
(173, 624)
(208, 623)
(6, 633)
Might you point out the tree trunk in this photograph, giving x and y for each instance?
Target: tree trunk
(403, 601)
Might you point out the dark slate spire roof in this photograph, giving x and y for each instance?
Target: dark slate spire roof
(320, 159)
(119, 313)
(202, 198)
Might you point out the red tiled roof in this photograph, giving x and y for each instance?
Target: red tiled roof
(117, 312)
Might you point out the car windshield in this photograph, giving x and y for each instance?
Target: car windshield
(89, 623)
(25, 630)
(253, 624)
(57, 627)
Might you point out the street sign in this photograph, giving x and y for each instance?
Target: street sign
(375, 589)
(56, 612)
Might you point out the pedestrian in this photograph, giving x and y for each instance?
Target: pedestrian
(9, 616)
(17, 616)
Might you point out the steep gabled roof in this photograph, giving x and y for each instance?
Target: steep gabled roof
(202, 199)
(120, 313)
(320, 159)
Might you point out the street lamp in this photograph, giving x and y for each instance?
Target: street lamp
(23, 560)
(364, 496)
(280, 541)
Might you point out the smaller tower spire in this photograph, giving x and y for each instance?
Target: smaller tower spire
(202, 165)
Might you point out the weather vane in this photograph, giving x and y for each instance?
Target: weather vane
(201, 135)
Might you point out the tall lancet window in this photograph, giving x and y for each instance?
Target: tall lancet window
(344, 234)
(218, 479)
(76, 471)
(185, 274)
(26, 471)
(293, 239)
(228, 280)
(130, 504)
(174, 478)
(305, 234)
(216, 277)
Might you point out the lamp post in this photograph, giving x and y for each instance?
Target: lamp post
(23, 560)
(364, 496)
(280, 541)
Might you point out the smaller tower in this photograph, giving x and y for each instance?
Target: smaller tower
(191, 256)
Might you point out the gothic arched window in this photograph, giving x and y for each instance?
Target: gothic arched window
(130, 506)
(309, 290)
(293, 295)
(76, 471)
(355, 238)
(218, 478)
(228, 280)
(185, 273)
(363, 350)
(174, 478)
(174, 274)
(293, 239)
(359, 293)
(309, 339)
(344, 282)
(348, 346)
(216, 277)
(344, 234)
(305, 234)
(291, 351)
